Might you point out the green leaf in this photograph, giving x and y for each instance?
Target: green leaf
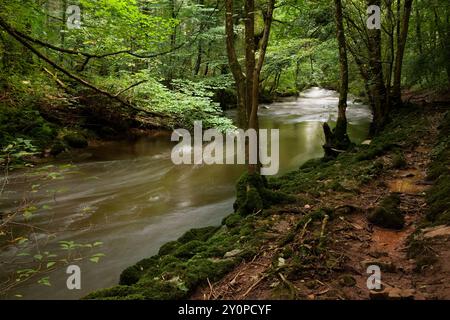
(45, 281)
(38, 257)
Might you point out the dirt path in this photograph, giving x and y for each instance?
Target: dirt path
(340, 271)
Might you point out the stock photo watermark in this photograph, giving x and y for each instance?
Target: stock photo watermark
(74, 280)
(374, 280)
(374, 17)
(233, 147)
(73, 13)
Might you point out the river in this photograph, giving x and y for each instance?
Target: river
(129, 195)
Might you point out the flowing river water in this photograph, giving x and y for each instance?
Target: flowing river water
(130, 196)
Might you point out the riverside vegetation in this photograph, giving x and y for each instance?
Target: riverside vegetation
(316, 200)
(135, 68)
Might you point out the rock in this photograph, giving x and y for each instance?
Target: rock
(345, 210)
(407, 175)
(378, 254)
(438, 231)
(232, 253)
(385, 266)
(312, 284)
(347, 281)
(391, 293)
(76, 140)
(366, 142)
(388, 214)
(57, 148)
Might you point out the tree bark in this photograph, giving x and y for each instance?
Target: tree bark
(376, 80)
(402, 37)
(248, 85)
(341, 125)
(235, 67)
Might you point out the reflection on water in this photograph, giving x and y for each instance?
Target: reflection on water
(131, 197)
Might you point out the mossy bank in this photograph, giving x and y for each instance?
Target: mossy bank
(202, 256)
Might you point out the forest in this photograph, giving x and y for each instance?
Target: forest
(94, 94)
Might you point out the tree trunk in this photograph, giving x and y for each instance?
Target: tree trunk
(248, 85)
(338, 138)
(377, 87)
(403, 34)
(235, 67)
(341, 125)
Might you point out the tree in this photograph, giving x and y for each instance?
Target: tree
(247, 85)
(402, 36)
(338, 139)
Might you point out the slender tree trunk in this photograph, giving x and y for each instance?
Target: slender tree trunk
(198, 61)
(235, 67)
(377, 87)
(338, 138)
(341, 126)
(248, 85)
(418, 30)
(396, 91)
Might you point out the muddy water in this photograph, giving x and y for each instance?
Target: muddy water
(130, 196)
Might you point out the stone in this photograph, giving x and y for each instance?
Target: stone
(76, 140)
(391, 293)
(232, 253)
(438, 231)
(385, 266)
(347, 281)
(388, 213)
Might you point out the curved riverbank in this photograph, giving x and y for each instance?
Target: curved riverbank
(316, 246)
(129, 196)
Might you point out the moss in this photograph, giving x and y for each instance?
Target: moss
(438, 195)
(57, 148)
(347, 281)
(201, 269)
(232, 220)
(388, 214)
(169, 248)
(308, 218)
(439, 201)
(253, 202)
(76, 140)
(25, 122)
(132, 274)
(399, 161)
(201, 234)
(312, 164)
(189, 249)
(117, 292)
(375, 151)
(198, 255)
(253, 195)
(420, 250)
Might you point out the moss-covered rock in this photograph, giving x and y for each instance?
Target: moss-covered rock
(232, 220)
(399, 161)
(347, 281)
(201, 234)
(437, 196)
(76, 140)
(388, 213)
(57, 148)
(253, 194)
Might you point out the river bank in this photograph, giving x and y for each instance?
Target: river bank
(128, 196)
(317, 246)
